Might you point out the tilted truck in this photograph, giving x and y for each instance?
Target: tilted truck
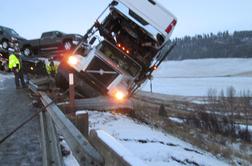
(128, 41)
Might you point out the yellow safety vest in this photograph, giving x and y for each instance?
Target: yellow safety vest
(51, 69)
(14, 61)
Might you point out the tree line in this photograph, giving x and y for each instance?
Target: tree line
(220, 45)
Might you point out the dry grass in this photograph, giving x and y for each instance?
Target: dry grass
(213, 143)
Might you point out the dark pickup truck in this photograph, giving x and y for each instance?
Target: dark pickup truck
(53, 42)
(9, 38)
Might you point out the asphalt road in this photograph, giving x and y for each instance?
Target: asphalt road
(23, 148)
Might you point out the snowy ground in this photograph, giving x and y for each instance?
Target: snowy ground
(198, 86)
(244, 127)
(205, 67)
(196, 77)
(152, 146)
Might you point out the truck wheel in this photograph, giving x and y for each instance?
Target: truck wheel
(67, 45)
(5, 45)
(27, 51)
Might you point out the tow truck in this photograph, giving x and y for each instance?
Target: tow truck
(127, 42)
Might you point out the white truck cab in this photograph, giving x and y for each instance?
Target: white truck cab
(132, 35)
(154, 14)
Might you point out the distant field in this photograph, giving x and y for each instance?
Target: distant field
(205, 67)
(195, 77)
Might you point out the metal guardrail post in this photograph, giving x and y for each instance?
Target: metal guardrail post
(82, 122)
(71, 92)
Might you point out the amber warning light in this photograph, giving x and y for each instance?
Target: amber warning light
(124, 49)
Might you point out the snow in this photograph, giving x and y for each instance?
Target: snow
(152, 146)
(205, 67)
(196, 77)
(177, 120)
(243, 126)
(119, 148)
(78, 113)
(198, 86)
(70, 159)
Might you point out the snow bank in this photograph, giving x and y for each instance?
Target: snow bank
(119, 148)
(150, 145)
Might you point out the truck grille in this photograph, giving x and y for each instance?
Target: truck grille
(101, 71)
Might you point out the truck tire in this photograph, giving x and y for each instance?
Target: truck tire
(27, 51)
(67, 45)
(5, 45)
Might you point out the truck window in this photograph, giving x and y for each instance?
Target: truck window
(118, 57)
(14, 33)
(47, 35)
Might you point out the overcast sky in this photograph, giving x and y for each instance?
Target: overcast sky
(32, 17)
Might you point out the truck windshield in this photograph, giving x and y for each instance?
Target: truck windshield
(119, 58)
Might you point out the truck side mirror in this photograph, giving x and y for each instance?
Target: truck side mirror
(92, 40)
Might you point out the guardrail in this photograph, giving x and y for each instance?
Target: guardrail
(50, 143)
(82, 150)
(97, 153)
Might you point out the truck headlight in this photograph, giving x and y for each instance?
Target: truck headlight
(72, 60)
(120, 95)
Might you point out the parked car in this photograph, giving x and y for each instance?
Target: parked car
(9, 38)
(49, 43)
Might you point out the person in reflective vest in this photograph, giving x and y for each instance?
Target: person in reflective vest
(51, 68)
(16, 67)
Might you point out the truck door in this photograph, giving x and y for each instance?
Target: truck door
(153, 13)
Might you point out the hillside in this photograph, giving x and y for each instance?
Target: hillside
(221, 45)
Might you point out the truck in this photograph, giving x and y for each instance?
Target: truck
(9, 38)
(52, 42)
(121, 50)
